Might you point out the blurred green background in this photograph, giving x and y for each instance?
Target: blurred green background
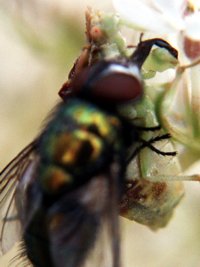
(39, 41)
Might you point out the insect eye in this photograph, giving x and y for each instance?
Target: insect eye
(109, 82)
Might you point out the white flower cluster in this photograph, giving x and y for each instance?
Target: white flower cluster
(177, 21)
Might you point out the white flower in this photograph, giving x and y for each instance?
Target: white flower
(161, 16)
(175, 20)
(179, 22)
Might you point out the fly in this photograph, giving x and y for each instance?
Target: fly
(62, 193)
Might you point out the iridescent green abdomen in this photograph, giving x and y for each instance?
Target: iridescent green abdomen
(78, 143)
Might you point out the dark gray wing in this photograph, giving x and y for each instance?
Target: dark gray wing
(10, 177)
(80, 229)
(83, 227)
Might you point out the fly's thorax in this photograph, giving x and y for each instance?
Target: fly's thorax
(79, 142)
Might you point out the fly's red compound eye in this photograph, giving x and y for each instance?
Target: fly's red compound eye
(109, 82)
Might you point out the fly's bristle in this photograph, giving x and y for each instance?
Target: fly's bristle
(20, 259)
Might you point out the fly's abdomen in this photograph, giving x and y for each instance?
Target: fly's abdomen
(79, 143)
(75, 155)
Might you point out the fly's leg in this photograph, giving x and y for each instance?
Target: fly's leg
(144, 48)
(148, 144)
(161, 178)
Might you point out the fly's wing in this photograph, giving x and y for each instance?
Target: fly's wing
(10, 177)
(83, 225)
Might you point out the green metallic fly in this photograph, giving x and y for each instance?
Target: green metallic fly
(62, 193)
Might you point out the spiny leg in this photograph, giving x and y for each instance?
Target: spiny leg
(149, 143)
